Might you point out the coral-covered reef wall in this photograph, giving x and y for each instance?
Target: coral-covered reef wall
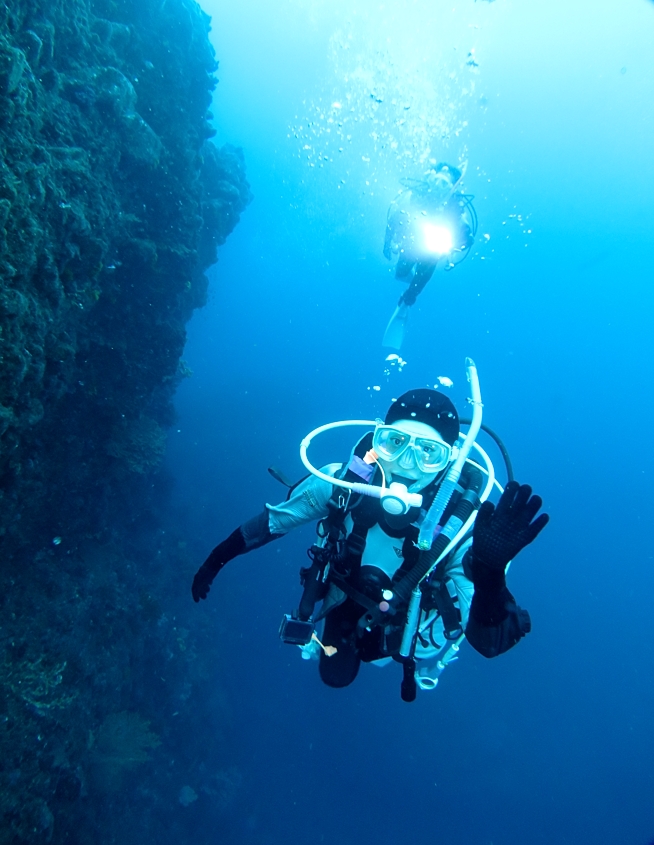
(113, 202)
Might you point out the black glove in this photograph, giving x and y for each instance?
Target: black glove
(224, 552)
(501, 532)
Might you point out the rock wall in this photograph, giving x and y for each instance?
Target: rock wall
(113, 201)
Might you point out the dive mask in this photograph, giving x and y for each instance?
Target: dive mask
(431, 455)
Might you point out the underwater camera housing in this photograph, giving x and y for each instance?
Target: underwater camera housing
(295, 631)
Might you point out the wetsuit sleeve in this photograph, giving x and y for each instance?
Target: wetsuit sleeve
(250, 535)
(496, 623)
(307, 503)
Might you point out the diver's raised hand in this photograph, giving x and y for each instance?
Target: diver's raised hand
(501, 531)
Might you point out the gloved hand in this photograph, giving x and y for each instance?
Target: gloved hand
(224, 552)
(501, 532)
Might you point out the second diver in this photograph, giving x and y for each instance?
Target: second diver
(431, 223)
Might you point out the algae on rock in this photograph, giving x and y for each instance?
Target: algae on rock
(113, 202)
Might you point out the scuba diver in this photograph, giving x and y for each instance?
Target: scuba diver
(410, 556)
(430, 223)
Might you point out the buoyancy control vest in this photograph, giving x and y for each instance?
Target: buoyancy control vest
(337, 557)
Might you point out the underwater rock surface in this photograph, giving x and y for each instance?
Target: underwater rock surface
(113, 202)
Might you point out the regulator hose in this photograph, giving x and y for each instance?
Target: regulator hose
(402, 590)
(500, 446)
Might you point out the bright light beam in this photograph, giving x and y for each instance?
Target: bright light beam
(438, 239)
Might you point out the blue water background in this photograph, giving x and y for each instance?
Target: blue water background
(552, 742)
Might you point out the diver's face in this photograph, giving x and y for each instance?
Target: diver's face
(405, 469)
(440, 181)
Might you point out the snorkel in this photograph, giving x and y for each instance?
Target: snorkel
(395, 499)
(446, 489)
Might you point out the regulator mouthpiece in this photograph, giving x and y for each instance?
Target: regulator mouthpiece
(397, 501)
